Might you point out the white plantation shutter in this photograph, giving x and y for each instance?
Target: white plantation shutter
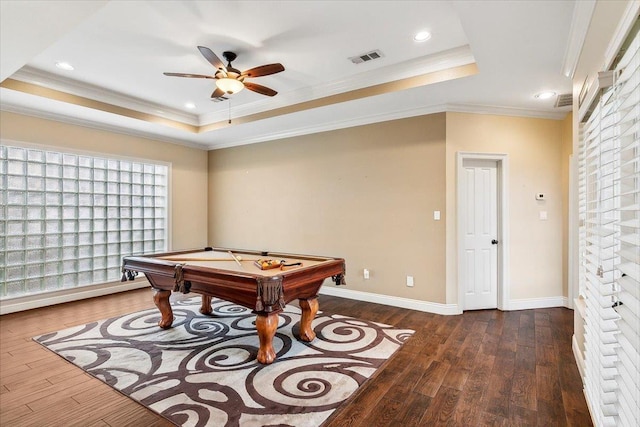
(598, 263)
(627, 237)
(609, 209)
(582, 206)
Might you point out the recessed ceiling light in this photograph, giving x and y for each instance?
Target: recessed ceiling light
(545, 95)
(64, 66)
(422, 36)
(190, 105)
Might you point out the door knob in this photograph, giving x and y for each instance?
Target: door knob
(494, 242)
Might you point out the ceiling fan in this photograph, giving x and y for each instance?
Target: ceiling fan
(230, 80)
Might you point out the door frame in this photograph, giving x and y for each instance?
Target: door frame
(502, 161)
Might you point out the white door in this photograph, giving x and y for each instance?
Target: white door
(480, 228)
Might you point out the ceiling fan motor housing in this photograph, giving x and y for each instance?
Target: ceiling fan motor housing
(229, 56)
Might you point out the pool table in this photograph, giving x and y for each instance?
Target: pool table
(234, 275)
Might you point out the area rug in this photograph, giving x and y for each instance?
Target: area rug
(203, 371)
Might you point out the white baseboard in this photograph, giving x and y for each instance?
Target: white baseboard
(412, 304)
(531, 303)
(434, 307)
(67, 295)
(578, 356)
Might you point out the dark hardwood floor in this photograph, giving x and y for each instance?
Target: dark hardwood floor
(483, 368)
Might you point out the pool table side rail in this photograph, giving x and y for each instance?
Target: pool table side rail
(246, 289)
(241, 252)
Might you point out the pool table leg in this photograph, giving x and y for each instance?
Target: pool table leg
(266, 324)
(161, 298)
(205, 308)
(309, 309)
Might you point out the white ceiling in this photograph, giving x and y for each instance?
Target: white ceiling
(121, 48)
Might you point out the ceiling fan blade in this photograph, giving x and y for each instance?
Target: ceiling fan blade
(195, 76)
(263, 90)
(263, 70)
(218, 93)
(211, 57)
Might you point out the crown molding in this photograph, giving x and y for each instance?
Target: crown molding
(451, 58)
(92, 124)
(440, 61)
(629, 17)
(289, 133)
(395, 115)
(506, 111)
(427, 65)
(334, 125)
(53, 81)
(582, 14)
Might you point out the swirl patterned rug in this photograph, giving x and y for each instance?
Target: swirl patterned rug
(203, 372)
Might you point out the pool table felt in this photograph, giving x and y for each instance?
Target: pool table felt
(247, 265)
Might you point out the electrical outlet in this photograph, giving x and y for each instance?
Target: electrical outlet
(365, 273)
(410, 281)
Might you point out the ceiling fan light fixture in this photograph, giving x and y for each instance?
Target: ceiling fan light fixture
(229, 85)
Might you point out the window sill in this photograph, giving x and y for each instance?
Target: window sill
(29, 302)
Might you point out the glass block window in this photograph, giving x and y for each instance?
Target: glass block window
(66, 220)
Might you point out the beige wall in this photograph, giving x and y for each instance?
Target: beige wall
(188, 166)
(366, 194)
(534, 148)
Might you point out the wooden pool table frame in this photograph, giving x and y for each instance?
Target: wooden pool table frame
(265, 294)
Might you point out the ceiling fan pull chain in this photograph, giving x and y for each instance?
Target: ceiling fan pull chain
(229, 111)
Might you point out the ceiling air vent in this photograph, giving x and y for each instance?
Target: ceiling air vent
(564, 100)
(369, 56)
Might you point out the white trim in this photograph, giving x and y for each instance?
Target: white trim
(593, 88)
(435, 307)
(577, 354)
(503, 223)
(393, 115)
(411, 304)
(559, 114)
(572, 232)
(622, 31)
(451, 58)
(582, 14)
(448, 59)
(67, 295)
(92, 124)
(338, 124)
(533, 303)
(57, 82)
(303, 130)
